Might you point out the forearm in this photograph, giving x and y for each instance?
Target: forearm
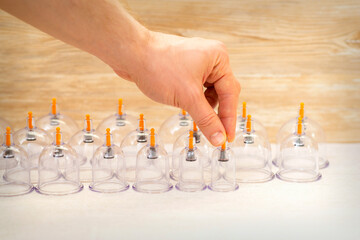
(100, 27)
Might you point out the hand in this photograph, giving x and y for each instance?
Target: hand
(169, 69)
(174, 70)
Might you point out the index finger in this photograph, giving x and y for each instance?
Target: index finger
(228, 90)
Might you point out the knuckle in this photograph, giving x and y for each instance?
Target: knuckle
(207, 120)
(219, 44)
(222, 49)
(191, 95)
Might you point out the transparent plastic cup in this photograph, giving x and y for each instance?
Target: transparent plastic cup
(131, 145)
(253, 154)
(201, 143)
(33, 140)
(191, 171)
(223, 170)
(298, 158)
(14, 168)
(152, 168)
(85, 142)
(311, 128)
(108, 168)
(59, 169)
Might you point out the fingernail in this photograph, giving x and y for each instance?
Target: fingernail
(217, 138)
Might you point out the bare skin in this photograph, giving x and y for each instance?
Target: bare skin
(168, 69)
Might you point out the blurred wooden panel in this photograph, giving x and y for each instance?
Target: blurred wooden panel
(282, 52)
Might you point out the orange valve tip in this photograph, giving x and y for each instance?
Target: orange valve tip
(53, 106)
(300, 119)
(120, 106)
(88, 125)
(30, 125)
(248, 123)
(152, 137)
(183, 112)
(299, 126)
(223, 147)
(194, 127)
(108, 138)
(191, 140)
(301, 112)
(141, 122)
(58, 136)
(244, 110)
(8, 136)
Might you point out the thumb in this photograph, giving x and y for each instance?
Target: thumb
(207, 120)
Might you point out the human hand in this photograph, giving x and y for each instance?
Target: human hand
(167, 68)
(174, 70)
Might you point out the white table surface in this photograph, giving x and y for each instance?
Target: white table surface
(327, 209)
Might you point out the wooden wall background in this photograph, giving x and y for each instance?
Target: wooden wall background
(282, 52)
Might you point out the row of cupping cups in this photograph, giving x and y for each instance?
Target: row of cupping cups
(121, 124)
(59, 167)
(299, 161)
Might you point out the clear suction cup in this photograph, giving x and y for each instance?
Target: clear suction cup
(253, 153)
(55, 119)
(120, 124)
(85, 142)
(173, 127)
(132, 144)
(14, 169)
(33, 140)
(311, 129)
(298, 158)
(201, 143)
(223, 170)
(3, 125)
(108, 168)
(152, 168)
(191, 173)
(59, 169)
(256, 125)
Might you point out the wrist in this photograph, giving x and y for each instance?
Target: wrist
(126, 55)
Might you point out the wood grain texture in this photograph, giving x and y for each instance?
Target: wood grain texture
(282, 52)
